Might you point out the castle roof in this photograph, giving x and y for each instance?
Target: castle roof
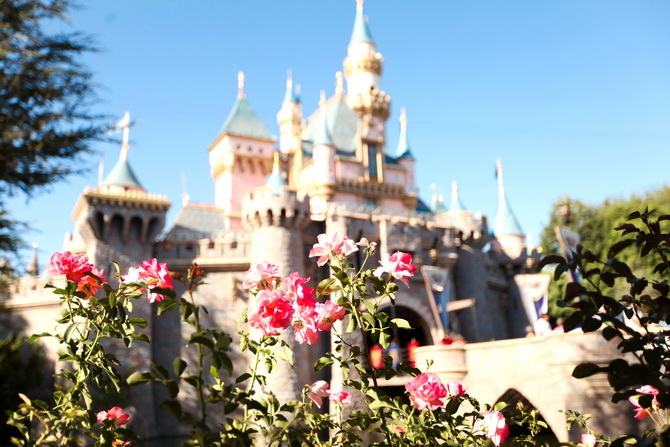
(341, 126)
(196, 221)
(505, 222)
(361, 32)
(404, 150)
(456, 205)
(122, 175)
(243, 122)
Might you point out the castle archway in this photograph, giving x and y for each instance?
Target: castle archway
(514, 398)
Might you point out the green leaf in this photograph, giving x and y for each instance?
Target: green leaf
(138, 378)
(139, 322)
(201, 340)
(327, 286)
(173, 407)
(166, 306)
(34, 337)
(178, 365)
(67, 336)
(586, 370)
(399, 323)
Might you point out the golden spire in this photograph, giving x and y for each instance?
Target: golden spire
(403, 118)
(339, 83)
(359, 5)
(240, 85)
(289, 79)
(184, 193)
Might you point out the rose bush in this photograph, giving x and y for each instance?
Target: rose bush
(346, 305)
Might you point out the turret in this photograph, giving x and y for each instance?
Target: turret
(275, 219)
(456, 206)
(240, 157)
(363, 71)
(507, 237)
(289, 119)
(119, 220)
(323, 155)
(406, 160)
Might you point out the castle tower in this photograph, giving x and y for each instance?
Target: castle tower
(363, 71)
(323, 155)
(240, 157)
(508, 240)
(275, 219)
(289, 119)
(119, 220)
(406, 160)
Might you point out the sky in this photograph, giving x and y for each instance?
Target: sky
(573, 96)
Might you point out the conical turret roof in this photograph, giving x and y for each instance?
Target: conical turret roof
(361, 31)
(404, 150)
(243, 121)
(456, 205)
(505, 221)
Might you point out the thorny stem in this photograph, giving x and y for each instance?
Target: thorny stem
(201, 356)
(257, 359)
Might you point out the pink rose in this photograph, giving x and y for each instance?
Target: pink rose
(493, 426)
(74, 267)
(261, 276)
(641, 412)
(331, 244)
(455, 389)
(304, 328)
(115, 414)
(327, 314)
(317, 391)
(426, 391)
(341, 397)
(297, 292)
(271, 312)
(399, 265)
(588, 440)
(153, 274)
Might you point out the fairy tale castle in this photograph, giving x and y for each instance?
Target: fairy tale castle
(331, 170)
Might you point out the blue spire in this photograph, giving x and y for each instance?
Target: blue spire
(404, 149)
(361, 31)
(276, 179)
(243, 120)
(505, 221)
(456, 205)
(291, 94)
(122, 174)
(322, 137)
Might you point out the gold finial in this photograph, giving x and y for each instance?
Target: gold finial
(297, 90)
(403, 116)
(339, 84)
(240, 85)
(289, 79)
(359, 5)
(322, 99)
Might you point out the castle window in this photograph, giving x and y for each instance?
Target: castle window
(370, 202)
(372, 160)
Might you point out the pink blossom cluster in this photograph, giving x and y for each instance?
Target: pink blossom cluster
(331, 245)
(153, 274)
(320, 390)
(280, 303)
(640, 412)
(427, 391)
(75, 269)
(115, 414)
(493, 426)
(398, 265)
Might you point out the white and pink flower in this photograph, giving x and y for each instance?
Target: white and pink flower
(426, 391)
(398, 265)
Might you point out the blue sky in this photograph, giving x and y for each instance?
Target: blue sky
(573, 96)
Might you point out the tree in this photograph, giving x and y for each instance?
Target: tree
(46, 95)
(596, 224)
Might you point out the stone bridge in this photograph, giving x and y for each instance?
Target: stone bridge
(538, 371)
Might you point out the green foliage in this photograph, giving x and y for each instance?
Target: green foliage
(636, 319)
(20, 372)
(596, 224)
(45, 99)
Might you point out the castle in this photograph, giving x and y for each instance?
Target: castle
(330, 171)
